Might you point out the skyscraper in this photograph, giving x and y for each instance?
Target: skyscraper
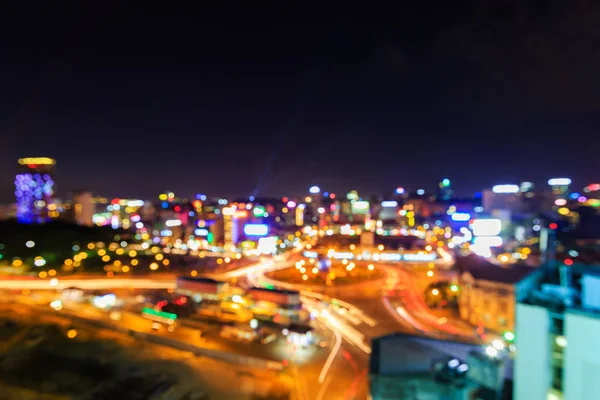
(34, 188)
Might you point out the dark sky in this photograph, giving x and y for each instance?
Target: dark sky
(237, 100)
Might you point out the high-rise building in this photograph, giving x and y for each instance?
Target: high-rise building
(84, 208)
(34, 188)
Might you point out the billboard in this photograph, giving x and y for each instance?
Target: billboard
(256, 229)
(360, 207)
(505, 189)
(486, 227)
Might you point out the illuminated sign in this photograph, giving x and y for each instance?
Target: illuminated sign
(389, 203)
(390, 257)
(229, 211)
(173, 222)
(256, 229)
(360, 207)
(135, 203)
(487, 241)
(342, 255)
(460, 217)
(419, 257)
(259, 211)
(201, 232)
(559, 182)
(486, 227)
(37, 161)
(267, 245)
(310, 254)
(505, 189)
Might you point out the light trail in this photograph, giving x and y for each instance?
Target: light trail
(92, 284)
(332, 355)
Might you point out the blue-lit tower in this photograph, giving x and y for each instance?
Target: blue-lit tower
(34, 188)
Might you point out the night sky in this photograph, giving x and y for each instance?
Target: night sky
(132, 101)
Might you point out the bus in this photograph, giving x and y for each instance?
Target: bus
(160, 318)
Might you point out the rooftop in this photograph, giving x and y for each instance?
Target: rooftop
(482, 269)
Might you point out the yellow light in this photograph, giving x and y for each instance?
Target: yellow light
(37, 161)
(154, 266)
(352, 247)
(132, 253)
(106, 258)
(145, 236)
(134, 262)
(430, 273)
(194, 273)
(315, 270)
(117, 263)
(380, 247)
(101, 252)
(77, 258)
(68, 261)
(284, 210)
(17, 263)
(503, 258)
(430, 265)
(71, 333)
(120, 251)
(154, 249)
(159, 257)
(162, 197)
(564, 211)
(371, 267)
(43, 274)
(83, 255)
(526, 250)
(52, 272)
(125, 268)
(166, 262)
(219, 261)
(91, 246)
(304, 277)
(440, 243)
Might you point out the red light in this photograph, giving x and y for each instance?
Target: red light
(285, 362)
(568, 261)
(177, 208)
(553, 225)
(114, 201)
(285, 200)
(593, 187)
(32, 166)
(332, 196)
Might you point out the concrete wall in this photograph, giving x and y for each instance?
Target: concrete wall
(532, 373)
(581, 379)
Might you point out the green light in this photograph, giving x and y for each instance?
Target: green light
(446, 182)
(509, 336)
(258, 211)
(454, 288)
(269, 286)
(161, 314)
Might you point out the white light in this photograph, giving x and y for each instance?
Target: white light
(561, 341)
(253, 323)
(400, 190)
(420, 192)
(559, 182)
(462, 368)
(256, 229)
(486, 227)
(135, 203)
(40, 262)
(389, 203)
(560, 202)
(491, 351)
(173, 222)
(267, 245)
(237, 298)
(487, 241)
(314, 189)
(139, 225)
(505, 189)
(453, 363)
(321, 210)
(291, 204)
(30, 243)
(460, 217)
(53, 282)
(498, 345)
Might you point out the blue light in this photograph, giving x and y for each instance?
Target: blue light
(164, 204)
(251, 198)
(574, 195)
(460, 217)
(256, 229)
